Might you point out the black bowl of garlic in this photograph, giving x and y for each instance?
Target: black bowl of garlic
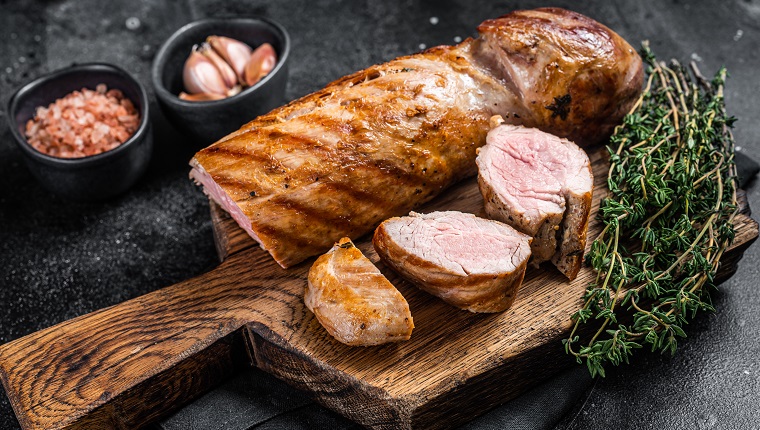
(214, 75)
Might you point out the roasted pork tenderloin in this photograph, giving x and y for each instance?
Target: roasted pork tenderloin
(472, 263)
(382, 141)
(541, 185)
(353, 301)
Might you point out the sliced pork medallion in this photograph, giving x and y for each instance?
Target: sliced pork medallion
(353, 301)
(541, 185)
(472, 263)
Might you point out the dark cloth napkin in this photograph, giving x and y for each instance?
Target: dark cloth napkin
(746, 168)
(256, 400)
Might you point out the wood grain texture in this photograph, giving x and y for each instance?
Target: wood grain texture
(127, 365)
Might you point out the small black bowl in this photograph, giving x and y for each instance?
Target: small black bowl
(96, 177)
(208, 121)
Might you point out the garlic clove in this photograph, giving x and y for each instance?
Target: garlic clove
(200, 75)
(234, 52)
(261, 63)
(230, 79)
(200, 97)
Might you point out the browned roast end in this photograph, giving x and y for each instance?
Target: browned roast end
(575, 76)
(448, 268)
(353, 301)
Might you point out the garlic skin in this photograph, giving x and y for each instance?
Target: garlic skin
(200, 75)
(200, 97)
(228, 75)
(235, 53)
(262, 62)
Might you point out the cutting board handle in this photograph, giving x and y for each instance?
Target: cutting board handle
(127, 365)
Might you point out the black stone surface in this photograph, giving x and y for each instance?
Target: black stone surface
(60, 259)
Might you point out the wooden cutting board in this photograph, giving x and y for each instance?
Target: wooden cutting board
(130, 364)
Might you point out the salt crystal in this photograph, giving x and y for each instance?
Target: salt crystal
(96, 136)
(738, 35)
(457, 39)
(423, 46)
(696, 57)
(69, 138)
(434, 20)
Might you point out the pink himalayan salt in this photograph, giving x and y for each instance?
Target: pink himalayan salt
(83, 123)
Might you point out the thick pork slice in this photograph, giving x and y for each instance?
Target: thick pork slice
(353, 301)
(541, 185)
(472, 263)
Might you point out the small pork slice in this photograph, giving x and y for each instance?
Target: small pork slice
(541, 185)
(472, 263)
(353, 301)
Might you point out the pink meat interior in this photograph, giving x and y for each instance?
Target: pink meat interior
(461, 243)
(532, 170)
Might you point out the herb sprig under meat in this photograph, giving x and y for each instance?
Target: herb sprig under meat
(672, 183)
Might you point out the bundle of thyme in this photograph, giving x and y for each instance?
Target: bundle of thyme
(667, 220)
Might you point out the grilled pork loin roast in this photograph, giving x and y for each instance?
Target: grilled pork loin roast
(353, 301)
(384, 140)
(472, 263)
(541, 185)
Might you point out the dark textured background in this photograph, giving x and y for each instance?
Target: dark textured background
(59, 259)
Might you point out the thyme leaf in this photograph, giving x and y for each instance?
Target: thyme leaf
(672, 183)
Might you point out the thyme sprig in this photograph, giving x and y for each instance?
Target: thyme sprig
(672, 193)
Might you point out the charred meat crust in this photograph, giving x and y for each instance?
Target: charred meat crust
(569, 256)
(552, 54)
